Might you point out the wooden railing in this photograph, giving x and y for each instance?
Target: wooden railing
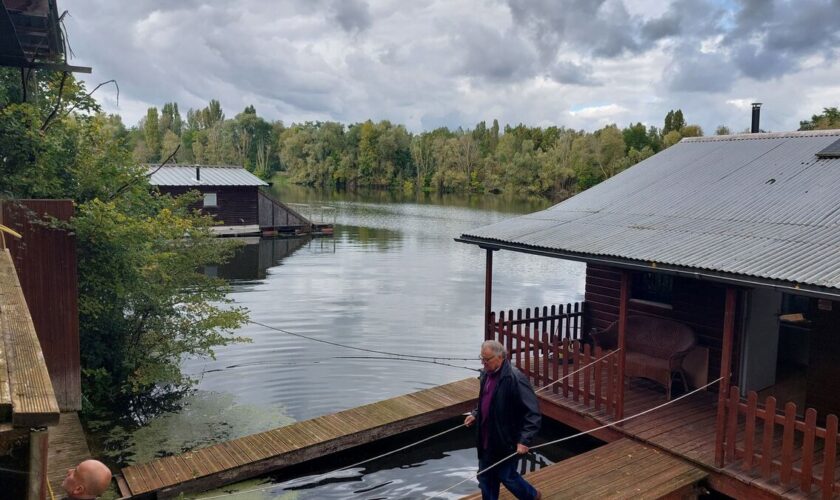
(779, 446)
(546, 345)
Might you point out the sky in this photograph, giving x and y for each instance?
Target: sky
(581, 64)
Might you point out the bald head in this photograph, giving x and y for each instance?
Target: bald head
(89, 479)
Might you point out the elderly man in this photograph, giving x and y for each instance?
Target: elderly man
(508, 418)
(89, 479)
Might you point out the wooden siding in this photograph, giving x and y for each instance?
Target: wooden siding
(235, 205)
(45, 260)
(699, 304)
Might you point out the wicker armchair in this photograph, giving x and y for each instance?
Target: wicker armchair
(656, 348)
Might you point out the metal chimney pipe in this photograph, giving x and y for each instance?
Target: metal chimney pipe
(756, 117)
(198, 169)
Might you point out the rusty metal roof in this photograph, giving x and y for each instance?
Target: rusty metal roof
(210, 175)
(757, 205)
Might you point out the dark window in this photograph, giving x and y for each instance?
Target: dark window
(653, 287)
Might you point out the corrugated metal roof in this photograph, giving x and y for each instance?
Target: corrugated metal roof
(211, 175)
(758, 205)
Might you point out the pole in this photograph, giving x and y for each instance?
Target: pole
(38, 450)
(622, 341)
(725, 371)
(488, 294)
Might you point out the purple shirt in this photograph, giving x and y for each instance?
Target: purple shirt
(490, 383)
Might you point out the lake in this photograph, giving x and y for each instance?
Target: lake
(391, 278)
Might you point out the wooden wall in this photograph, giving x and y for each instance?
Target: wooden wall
(236, 205)
(697, 303)
(45, 261)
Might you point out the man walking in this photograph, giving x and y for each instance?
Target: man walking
(508, 418)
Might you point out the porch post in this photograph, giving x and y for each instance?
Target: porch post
(488, 293)
(622, 344)
(725, 371)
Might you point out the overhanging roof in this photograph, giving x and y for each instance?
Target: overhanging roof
(211, 175)
(31, 36)
(757, 208)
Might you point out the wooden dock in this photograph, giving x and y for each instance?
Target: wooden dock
(258, 454)
(68, 446)
(26, 392)
(621, 469)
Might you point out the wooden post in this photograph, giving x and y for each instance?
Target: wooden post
(38, 451)
(488, 294)
(622, 342)
(725, 369)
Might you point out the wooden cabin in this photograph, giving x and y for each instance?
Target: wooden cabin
(232, 195)
(736, 239)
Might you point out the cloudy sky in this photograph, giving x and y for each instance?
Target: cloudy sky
(427, 63)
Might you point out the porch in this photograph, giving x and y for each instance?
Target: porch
(748, 448)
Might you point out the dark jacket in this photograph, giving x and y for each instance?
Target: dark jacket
(514, 414)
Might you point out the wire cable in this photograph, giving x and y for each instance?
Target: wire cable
(336, 344)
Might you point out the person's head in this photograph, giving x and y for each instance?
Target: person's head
(493, 354)
(89, 479)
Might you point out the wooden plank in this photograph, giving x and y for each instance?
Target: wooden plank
(787, 442)
(67, 447)
(622, 469)
(33, 399)
(260, 453)
(808, 450)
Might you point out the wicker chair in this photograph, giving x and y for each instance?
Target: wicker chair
(655, 348)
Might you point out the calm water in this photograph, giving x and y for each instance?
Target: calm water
(392, 279)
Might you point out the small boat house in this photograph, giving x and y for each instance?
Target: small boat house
(713, 264)
(232, 195)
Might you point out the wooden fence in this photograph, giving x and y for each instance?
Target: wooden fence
(546, 344)
(779, 446)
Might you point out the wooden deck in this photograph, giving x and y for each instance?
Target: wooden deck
(26, 392)
(685, 429)
(68, 447)
(621, 469)
(258, 454)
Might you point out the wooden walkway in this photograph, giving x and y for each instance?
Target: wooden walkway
(254, 455)
(68, 447)
(27, 398)
(621, 469)
(685, 429)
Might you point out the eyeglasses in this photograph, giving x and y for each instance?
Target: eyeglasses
(485, 360)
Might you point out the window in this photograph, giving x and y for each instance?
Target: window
(653, 287)
(209, 200)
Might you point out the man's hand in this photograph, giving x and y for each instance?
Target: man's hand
(521, 449)
(469, 420)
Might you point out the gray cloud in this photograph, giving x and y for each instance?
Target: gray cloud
(598, 27)
(694, 71)
(352, 15)
(494, 55)
(770, 39)
(455, 62)
(573, 74)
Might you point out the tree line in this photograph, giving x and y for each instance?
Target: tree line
(551, 161)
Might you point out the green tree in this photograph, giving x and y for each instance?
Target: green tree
(143, 301)
(152, 135)
(828, 119)
(723, 130)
